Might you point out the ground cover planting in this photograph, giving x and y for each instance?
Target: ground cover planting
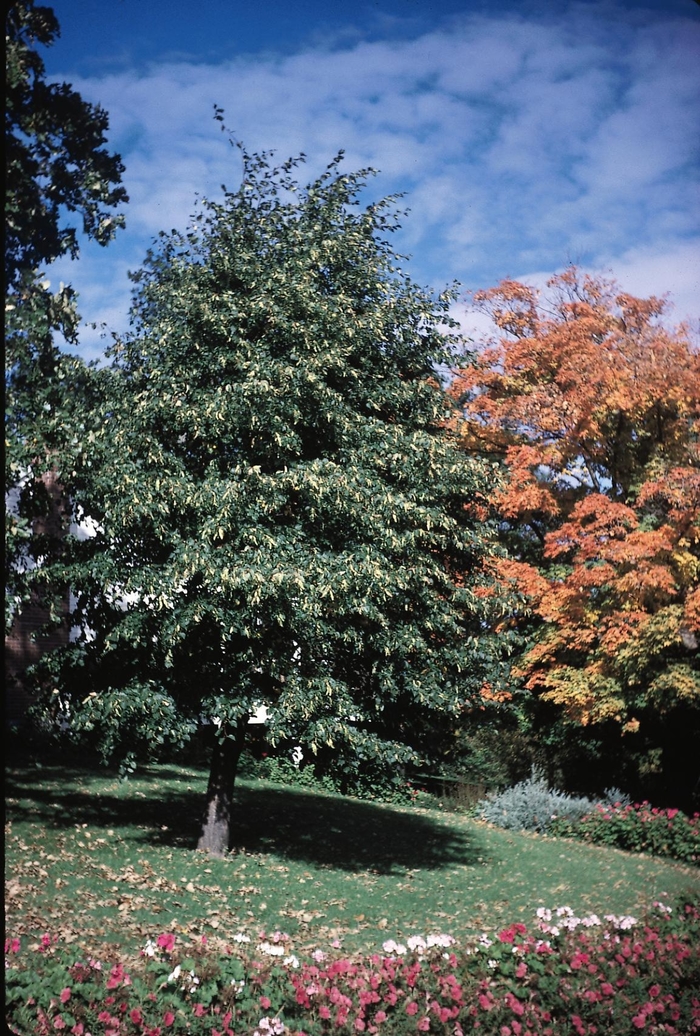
(100, 869)
(639, 827)
(564, 974)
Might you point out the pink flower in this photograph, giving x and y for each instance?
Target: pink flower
(169, 1017)
(65, 995)
(199, 1010)
(639, 1020)
(12, 945)
(654, 991)
(166, 941)
(411, 1007)
(265, 1003)
(423, 1024)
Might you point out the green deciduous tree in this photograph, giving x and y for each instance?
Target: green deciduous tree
(284, 519)
(56, 165)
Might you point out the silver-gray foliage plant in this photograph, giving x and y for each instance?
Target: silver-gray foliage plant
(532, 805)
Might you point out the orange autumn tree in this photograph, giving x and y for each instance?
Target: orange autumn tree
(593, 403)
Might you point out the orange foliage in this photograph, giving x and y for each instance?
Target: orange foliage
(594, 406)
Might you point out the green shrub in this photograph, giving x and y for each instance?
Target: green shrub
(366, 780)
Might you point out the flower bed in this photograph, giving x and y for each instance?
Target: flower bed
(638, 828)
(562, 975)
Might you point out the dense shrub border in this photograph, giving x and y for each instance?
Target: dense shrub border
(615, 821)
(638, 827)
(564, 975)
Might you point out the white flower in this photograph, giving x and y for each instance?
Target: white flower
(416, 943)
(440, 940)
(271, 950)
(291, 961)
(571, 923)
(175, 974)
(621, 922)
(492, 963)
(318, 956)
(149, 949)
(485, 941)
(544, 914)
(270, 1027)
(393, 947)
(240, 937)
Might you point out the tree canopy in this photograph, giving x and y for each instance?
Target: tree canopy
(283, 516)
(594, 403)
(56, 165)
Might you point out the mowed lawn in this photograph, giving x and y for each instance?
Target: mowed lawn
(94, 859)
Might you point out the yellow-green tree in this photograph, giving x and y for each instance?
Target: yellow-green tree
(282, 513)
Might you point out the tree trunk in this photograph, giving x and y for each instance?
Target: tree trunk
(215, 833)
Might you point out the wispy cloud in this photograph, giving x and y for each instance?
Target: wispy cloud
(522, 143)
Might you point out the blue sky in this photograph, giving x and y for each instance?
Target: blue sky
(526, 134)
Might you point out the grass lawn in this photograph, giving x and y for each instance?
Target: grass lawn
(93, 859)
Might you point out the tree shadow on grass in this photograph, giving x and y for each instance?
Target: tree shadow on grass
(308, 827)
(347, 834)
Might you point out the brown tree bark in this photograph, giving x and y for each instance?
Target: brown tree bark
(215, 832)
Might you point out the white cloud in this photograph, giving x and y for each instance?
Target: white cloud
(523, 144)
